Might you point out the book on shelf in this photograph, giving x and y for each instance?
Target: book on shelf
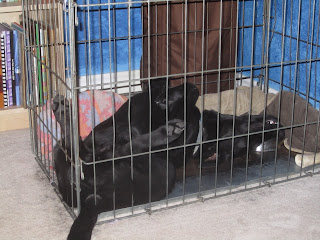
(44, 69)
(38, 60)
(47, 62)
(16, 65)
(35, 62)
(52, 57)
(8, 63)
(12, 83)
(20, 77)
(14, 61)
(39, 71)
(42, 36)
(23, 74)
(1, 90)
(42, 40)
(3, 93)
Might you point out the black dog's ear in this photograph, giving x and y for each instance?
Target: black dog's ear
(210, 115)
(159, 83)
(156, 85)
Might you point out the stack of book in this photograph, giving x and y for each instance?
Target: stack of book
(43, 57)
(32, 64)
(46, 53)
(12, 89)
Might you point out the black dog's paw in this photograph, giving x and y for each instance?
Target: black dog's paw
(162, 134)
(175, 127)
(174, 130)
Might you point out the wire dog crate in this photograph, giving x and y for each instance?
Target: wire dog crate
(110, 51)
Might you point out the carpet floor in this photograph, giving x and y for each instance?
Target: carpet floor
(30, 209)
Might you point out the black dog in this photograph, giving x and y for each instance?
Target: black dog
(121, 181)
(210, 122)
(124, 182)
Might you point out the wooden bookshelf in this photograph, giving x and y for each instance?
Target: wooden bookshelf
(13, 117)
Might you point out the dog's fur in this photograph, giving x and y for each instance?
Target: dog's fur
(119, 180)
(210, 126)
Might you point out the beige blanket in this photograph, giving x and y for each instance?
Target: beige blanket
(243, 101)
(270, 102)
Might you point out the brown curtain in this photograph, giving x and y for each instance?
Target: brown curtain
(190, 50)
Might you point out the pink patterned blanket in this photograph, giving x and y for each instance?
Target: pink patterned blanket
(49, 130)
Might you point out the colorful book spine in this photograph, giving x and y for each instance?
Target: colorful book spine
(20, 64)
(1, 90)
(36, 91)
(47, 61)
(52, 56)
(8, 67)
(24, 80)
(16, 65)
(3, 68)
(39, 63)
(43, 64)
(1, 86)
(9, 29)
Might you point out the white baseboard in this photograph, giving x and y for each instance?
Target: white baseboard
(118, 81)
(247, 82)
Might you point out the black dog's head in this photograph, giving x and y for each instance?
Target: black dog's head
(241, 128)
(162, 94)
(270, 133)
(176, 96)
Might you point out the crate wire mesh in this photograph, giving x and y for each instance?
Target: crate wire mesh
(74, 47)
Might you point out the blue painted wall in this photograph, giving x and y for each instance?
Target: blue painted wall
(300, 74)
(94, 25)
(100, 62)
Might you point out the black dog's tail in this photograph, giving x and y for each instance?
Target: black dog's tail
(83, 226)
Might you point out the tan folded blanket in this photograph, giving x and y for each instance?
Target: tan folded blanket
(243, 101)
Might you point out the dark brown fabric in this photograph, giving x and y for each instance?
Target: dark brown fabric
(301, 109)
(193, 53)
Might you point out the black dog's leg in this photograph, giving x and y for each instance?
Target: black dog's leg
(60, 108)
(82, 227)
(159, 137)
(62, 168)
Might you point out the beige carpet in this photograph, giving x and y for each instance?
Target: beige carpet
(29, 208)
